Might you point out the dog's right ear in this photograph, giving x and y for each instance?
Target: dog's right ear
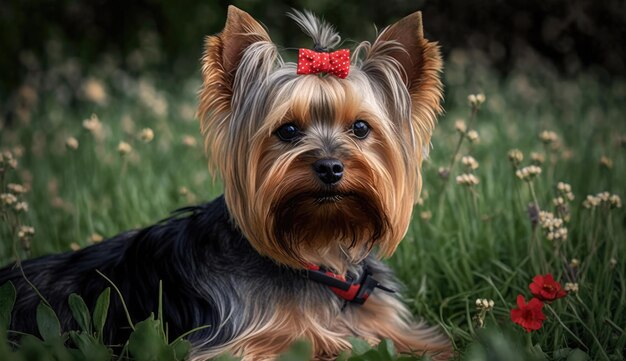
(222, 57)
(234, 63)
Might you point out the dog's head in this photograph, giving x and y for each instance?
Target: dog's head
(317, 168)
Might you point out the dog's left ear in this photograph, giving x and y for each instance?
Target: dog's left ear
(402, 46)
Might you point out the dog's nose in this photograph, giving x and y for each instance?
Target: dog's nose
(330, 171)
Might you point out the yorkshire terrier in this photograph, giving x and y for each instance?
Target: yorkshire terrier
(320, 161)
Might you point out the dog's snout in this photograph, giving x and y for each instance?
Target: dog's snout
(329, 171)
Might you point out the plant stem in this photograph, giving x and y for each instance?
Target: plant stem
(566, 328)
(584, 324)
(452, 162)
(542, 256)
(43, 299)
(130, 321)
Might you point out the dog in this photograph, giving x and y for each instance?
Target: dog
(320, 162)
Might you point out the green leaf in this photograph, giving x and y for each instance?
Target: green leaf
(298, 351)
(387, 350)
(80, 312)
(371, 355)
(32, 348)
(355, 358)
(79, 339)
(181, 349)
(7, 301)
(48, 323)
(561, 354)
(343, 356)
(577, 355)
(5, 348)
(359, 345)
(226, 357)
(101, 310)
(538, 353)
(89, 348)
(146, 343)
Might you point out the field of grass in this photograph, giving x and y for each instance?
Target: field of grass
(485, 240)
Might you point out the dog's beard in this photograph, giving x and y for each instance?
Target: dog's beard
(308, 225)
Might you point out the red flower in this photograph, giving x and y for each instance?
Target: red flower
(530, 316)
(546, 288)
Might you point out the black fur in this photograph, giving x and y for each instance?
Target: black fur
(211, 276)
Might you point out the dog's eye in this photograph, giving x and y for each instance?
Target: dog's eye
(288, 132)
(360, 129)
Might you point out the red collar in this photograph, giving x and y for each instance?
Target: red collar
(353, 289)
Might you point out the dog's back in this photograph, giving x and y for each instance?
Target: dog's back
(56, 277)
(136, 262)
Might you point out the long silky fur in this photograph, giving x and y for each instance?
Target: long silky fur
(267, 92)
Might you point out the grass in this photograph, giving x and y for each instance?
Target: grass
(466, 242)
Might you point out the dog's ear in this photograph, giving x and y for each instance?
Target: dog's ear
(401, 49)
(222, 57)
(418, 58)
(234, 62)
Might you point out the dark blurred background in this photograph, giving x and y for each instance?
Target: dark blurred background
(572, 36)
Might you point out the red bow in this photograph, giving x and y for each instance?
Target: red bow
(336, 63)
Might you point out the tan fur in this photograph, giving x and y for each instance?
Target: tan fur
(328, 330)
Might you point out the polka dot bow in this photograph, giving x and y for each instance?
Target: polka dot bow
(336, 63)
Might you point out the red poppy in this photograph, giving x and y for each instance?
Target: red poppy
(546, 288)
(530, 316)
